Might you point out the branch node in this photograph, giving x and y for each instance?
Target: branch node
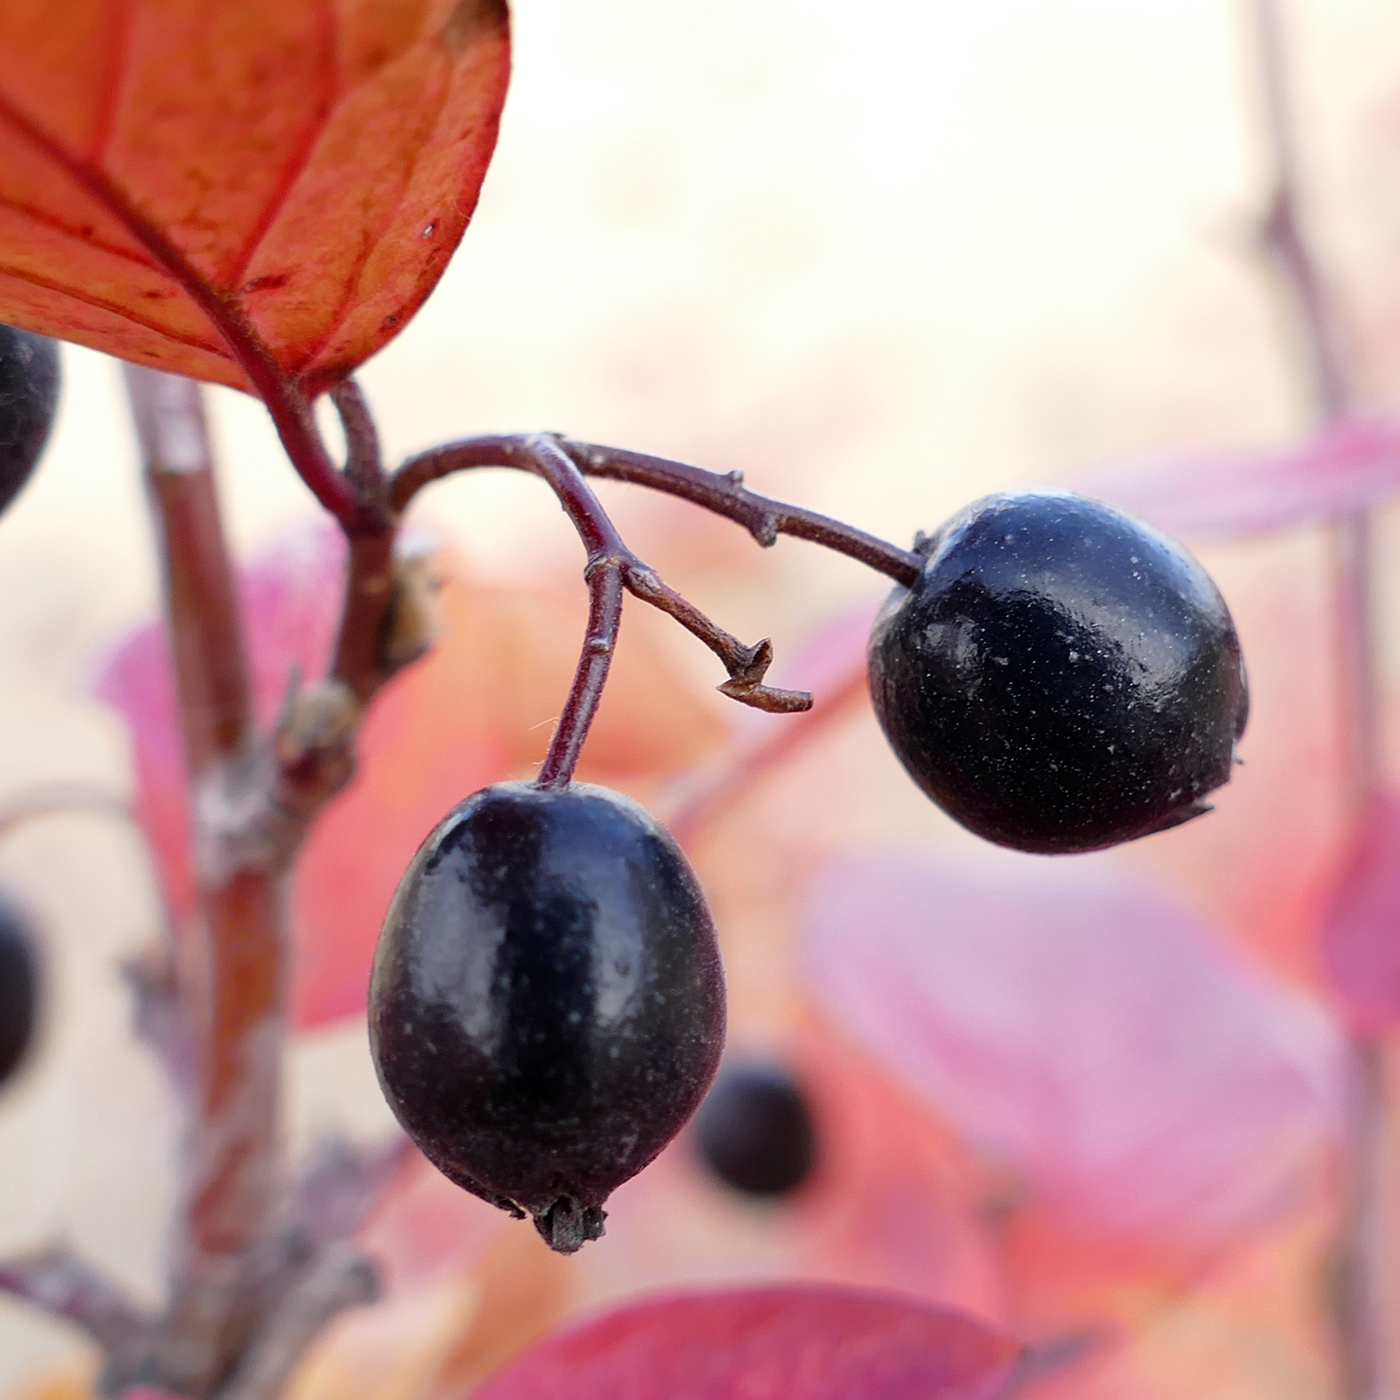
(316, 721)
(614, 559)
(751, 663)
(764, 529)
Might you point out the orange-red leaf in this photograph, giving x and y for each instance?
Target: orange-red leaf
(224, 189)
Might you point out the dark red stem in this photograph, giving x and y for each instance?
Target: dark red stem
(604, 619)
(232, 962)
(725, 495)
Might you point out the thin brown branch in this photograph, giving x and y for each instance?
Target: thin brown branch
(725, 495)
(341, 1278)
(1282, 234)
(765, 519)
(205, 633)
(1332, 388)
(65, 1286)
(747, 665)
(232, 983)
(1365, 1263)
(364, 462)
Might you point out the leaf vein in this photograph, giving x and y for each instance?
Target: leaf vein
(19, 274)
(120, 39)
(310, 138)
(40, 216)
(348, 299)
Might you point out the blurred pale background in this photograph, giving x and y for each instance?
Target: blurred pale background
(883, 257)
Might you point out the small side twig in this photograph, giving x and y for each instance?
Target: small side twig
(544, 455)
(341, 1278)
(65, 1286)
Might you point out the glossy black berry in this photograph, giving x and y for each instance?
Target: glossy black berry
(546, 1007)
(28, 401)
(19, 989)
(1061, 677)
(754, 1131)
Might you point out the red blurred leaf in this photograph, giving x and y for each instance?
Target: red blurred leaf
(1216, 495)
(1361, 922)
(1087, 1034)
(207, 188)
(793, 1343)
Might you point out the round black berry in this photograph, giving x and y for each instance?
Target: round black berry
(19, 989)
(755, 1133)
(546, 1007)
(1060, 677)
(28, 402)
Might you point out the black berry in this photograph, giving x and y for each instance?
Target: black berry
(28, 401)
(546, 1008)
(19, 990)
(755, 1133)
(1061, 677)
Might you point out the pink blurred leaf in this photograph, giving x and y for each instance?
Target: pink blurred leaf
(786, 1343)
(291, 599)
(1216, 495)
(1083, 1031)
(1361, 922)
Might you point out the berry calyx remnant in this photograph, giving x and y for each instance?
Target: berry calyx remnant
(1060, 677)
(546, 1007)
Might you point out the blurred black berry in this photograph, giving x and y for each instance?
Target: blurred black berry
(29, 380)
(754, 1131)
(19, 989)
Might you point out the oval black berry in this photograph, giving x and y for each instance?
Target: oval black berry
(19, 989)
(1061, 677)
(754, 1131)
(546, 1007)
(28, 401)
